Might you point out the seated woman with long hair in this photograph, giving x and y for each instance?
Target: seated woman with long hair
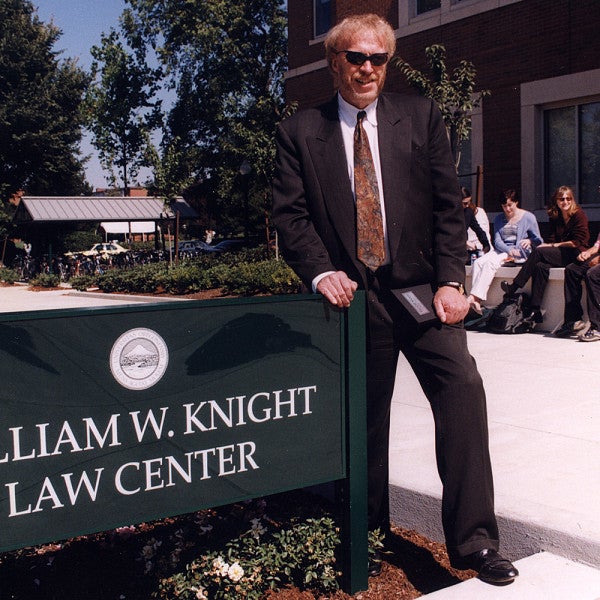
(516, 233)
(569, 236)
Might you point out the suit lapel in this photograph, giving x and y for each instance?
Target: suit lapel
(394, 133)
(329, 161)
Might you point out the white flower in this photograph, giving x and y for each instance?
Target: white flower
(235, 572)
(220, 566)
(200, 593)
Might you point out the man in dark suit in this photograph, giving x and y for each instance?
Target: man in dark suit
(315, 210)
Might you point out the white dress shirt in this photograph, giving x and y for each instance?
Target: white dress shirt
(348, 117)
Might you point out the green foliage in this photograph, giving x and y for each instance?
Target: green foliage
(40, 116)
(76, 241)
(143, 279)
(147, 246)
(121, 107)
(265, 277)
(82, 282)
(244, 278)
(225, 61)
(302, 555)
(8, 275)
(454, 93)
(47, 280)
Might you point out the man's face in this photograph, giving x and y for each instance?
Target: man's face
(360, 85)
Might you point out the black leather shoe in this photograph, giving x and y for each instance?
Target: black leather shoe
(535, 315)
(508, 289)
(491, 567)
(569, 328)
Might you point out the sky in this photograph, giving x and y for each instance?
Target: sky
(82, 23)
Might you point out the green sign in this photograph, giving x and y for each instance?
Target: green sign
(114, 416)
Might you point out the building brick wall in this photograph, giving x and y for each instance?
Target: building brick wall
(511, 45)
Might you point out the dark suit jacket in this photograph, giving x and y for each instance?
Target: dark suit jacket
(314, 208)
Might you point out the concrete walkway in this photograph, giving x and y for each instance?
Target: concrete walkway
(544, 415)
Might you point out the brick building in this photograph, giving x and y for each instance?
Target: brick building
(539, 128)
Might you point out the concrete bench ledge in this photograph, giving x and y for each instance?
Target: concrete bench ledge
(553, 302)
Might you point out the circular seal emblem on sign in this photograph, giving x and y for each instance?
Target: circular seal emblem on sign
(139, 358)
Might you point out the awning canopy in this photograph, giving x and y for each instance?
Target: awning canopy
(52, 209)
(126, 227)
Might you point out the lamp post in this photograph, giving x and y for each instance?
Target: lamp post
(245, 170)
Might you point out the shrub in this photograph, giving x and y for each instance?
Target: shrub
(145, 279)
(303, 555)
(83, 282)
(45, 280)
(8, 275)
(185, 278)
(266, 277)
(236, 277)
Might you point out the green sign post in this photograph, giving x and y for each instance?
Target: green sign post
(113, 416)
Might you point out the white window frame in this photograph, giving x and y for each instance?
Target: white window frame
(410, 23)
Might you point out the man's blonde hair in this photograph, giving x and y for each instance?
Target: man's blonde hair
(355, 24)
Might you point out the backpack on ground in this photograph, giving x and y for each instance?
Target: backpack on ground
(509, 316)
(475, 321)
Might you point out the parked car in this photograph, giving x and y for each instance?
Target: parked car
(104, 249)
(229, 245)
(187, 247)
(204, 247)
(194, 247)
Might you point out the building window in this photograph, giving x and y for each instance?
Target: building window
(424, 6)
(572, 150)
(322, 12)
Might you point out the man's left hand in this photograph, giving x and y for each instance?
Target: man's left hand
(450, 305)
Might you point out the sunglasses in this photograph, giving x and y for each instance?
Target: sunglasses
(358, 58)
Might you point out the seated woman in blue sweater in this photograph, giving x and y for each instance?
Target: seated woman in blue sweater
(569, 236)
(516, 233)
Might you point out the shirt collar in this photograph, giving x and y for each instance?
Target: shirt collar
(348, 112)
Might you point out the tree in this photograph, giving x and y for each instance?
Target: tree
(226, 62)
(40, 116)
(122, 108)
(454, 94)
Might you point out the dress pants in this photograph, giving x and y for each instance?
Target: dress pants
(574, 274)
(448, 375)
(538, 266)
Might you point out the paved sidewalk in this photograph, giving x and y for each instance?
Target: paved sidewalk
(18, 298)
(544, 415)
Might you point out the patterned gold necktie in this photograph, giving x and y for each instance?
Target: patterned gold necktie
(369, 223)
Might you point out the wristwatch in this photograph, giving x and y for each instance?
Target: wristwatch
(455, 284)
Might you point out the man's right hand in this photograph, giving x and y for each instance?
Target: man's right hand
(338, 288)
